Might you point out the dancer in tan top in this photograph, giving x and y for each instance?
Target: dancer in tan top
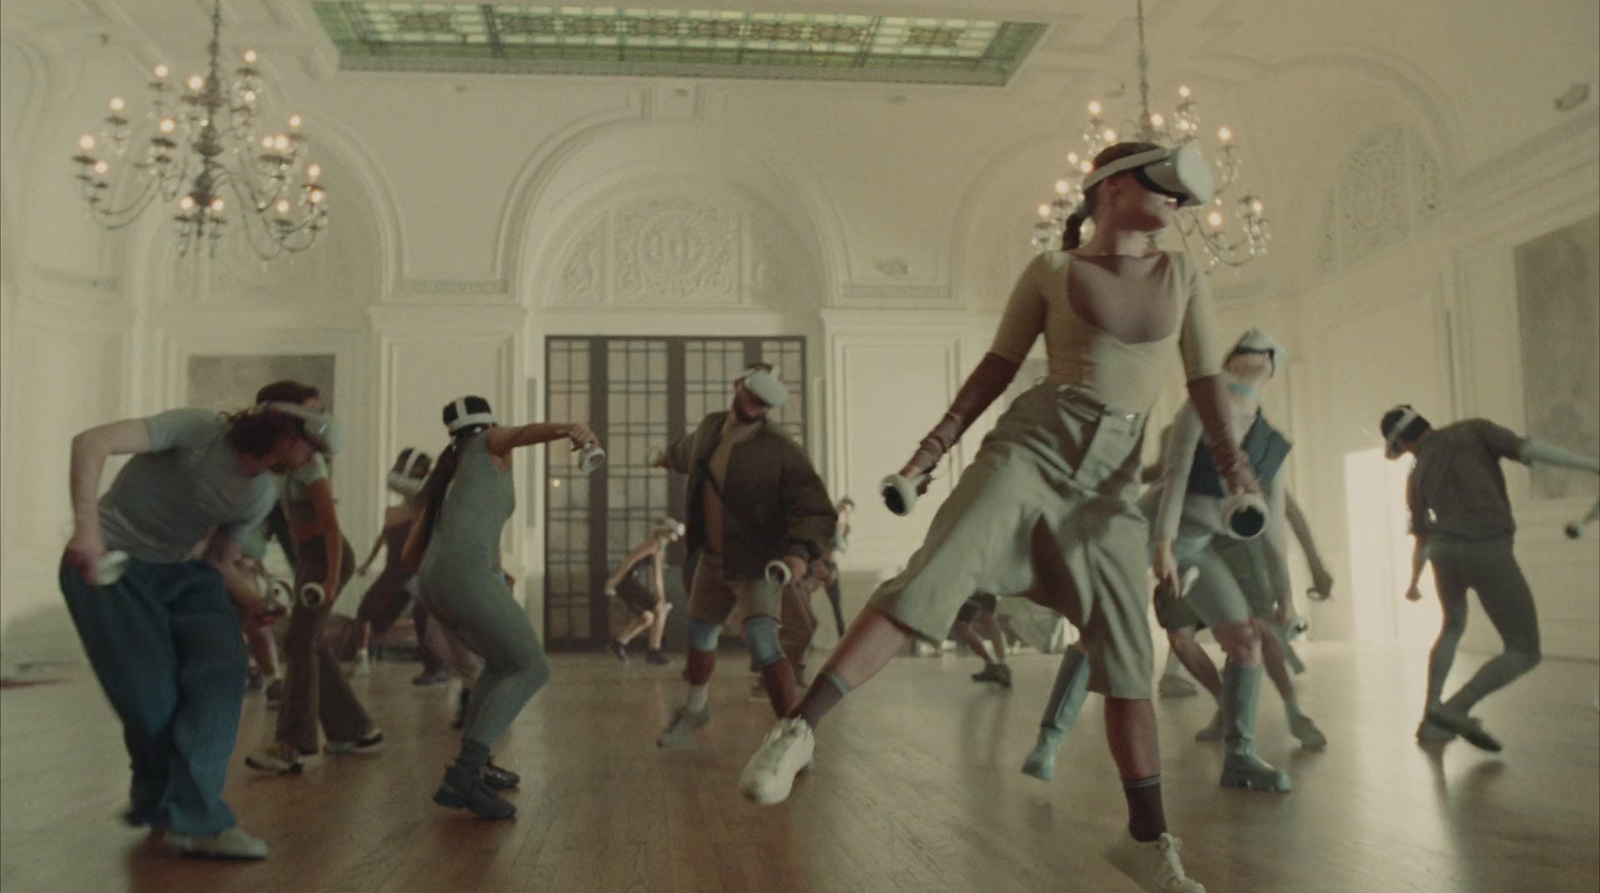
(1047, 509)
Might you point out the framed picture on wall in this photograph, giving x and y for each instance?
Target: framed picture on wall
(228, 383)
(1558, 305)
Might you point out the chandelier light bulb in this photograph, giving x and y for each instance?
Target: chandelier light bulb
(1044, 211)
(186, 203)
(249, 96)
(100, 167)
(1157, 121)
(1110, 135)
(1063, 187)
(266, 142)
(86, 142)
(294, 122)
(1183, 91)
(117, 104)
(168, 125)
(1072, 158)
(196, 82)
(250, 56)
(280, 142)
(217, 205)
(162, 71)
(1086, 166)
(316, 196)
(1215, 218)
(283, 207)
(1257, 206)
(313, 171)
(1224, 134)
(1094, 107)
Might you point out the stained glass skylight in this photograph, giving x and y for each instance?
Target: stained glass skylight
(618, 40)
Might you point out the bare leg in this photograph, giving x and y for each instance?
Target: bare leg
(988, 624)
(1195, 660)
(868, 645)
(659, 628)
(966, 635)
(636, 626)
(1136, 749)
(262, 650)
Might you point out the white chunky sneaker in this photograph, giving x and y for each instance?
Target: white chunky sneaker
(234, 843)
(1176, 687)
(1154, 866)
(769, 776)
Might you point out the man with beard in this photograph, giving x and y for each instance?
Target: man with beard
(754, 502)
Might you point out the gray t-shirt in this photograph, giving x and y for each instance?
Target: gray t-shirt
(165, 501)
(1457, 490)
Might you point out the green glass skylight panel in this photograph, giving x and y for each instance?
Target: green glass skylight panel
(624, 40)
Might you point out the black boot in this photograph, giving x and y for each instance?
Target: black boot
(499, 778)
(465, 788)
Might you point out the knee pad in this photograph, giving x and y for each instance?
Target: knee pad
(761, 635)
(703, 636)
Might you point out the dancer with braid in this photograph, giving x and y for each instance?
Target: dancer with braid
(455, 544)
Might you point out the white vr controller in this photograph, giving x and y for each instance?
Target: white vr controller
(900, 492)
(312, 595)
(778, 573)
(1575, 529)
(1244, 515)
(112, 566)
(590, 458)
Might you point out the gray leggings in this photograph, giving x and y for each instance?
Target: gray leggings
(1491, 570)
(488, 620)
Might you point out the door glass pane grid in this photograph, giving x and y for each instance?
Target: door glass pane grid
(567, 587)
(637, 407)
(636, 426)
(787, 357)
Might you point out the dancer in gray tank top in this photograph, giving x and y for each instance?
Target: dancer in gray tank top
(456, 544)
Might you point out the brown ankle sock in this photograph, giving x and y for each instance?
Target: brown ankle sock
(778, 678)
(827, 690)
(1147, 821)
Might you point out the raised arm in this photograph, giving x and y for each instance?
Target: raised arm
(1538, 452)
(90, 450)
(502, 440)
(678, 455)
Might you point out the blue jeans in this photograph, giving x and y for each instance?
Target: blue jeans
(165, 644)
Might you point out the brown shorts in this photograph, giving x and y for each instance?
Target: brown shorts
(712, 596)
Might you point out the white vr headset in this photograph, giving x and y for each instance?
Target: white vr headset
(465, 420)
(767, 386)
(319, 427)
(1391, 441)
(404, 482)
(1181, 173)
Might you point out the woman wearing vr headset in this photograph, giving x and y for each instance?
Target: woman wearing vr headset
(1047, 508)
(650, 611)
(455, 546)
(395, 589)
(1461, 520)
(1240, 585)
(314, 689)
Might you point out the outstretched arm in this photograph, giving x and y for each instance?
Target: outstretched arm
(1538, 452)
(1321, 580)
(502, 440)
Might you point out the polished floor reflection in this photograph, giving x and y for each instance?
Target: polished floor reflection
(916, 788)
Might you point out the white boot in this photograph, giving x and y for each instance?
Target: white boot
(1154, 866)
(769, 776)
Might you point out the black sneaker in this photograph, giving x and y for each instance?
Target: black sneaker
(654, 656)
(473, 794)
(992, 673)
(499, 778)
(618, 650)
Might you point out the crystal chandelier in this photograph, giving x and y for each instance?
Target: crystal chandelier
(1232, 239)
(198, 146)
